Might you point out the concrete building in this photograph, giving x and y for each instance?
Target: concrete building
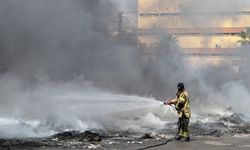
(204, 28)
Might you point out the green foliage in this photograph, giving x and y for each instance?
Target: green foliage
(245, 38)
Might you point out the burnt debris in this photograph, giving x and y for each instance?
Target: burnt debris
(86, 136)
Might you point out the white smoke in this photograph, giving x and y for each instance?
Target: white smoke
(61, 55)
(51, 107)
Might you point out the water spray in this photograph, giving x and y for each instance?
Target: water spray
(169, 140)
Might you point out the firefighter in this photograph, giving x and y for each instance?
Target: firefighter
(182, 105)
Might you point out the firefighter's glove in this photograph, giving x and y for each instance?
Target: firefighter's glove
(168, 103)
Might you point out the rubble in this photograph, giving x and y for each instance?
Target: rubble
(147, 136)
(86, 136)
(234, 119)
(233, 124)
(22, 143)
(210, 128)
(68, 139)
(227, 125)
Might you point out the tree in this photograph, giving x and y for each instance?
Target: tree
(245, 38)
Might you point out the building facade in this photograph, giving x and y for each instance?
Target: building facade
(201, 28)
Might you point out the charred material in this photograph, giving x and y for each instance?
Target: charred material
(234, 119)
(22, 144)
(69, 139)
(86, 136)
(147, 136)
(233, 124)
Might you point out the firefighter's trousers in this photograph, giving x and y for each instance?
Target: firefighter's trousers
(183, 123)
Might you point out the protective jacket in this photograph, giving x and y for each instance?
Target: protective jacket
(182, 105)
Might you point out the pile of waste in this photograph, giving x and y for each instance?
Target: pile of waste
(69, 139)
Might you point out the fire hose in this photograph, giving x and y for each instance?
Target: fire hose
(169, 140)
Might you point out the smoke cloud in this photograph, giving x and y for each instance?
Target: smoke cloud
(217, 85)
(61, 41)
(58, 57)
(212, 9)
(62, 60)
(215, 5)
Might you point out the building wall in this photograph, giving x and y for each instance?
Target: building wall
(194, 21)
(149, 6)
(219, 41)
(167, 14)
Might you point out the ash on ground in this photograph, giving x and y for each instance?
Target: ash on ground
(68, 140)
(229, 125)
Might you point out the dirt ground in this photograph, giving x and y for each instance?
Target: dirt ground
(205, 143)
(236, 142)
